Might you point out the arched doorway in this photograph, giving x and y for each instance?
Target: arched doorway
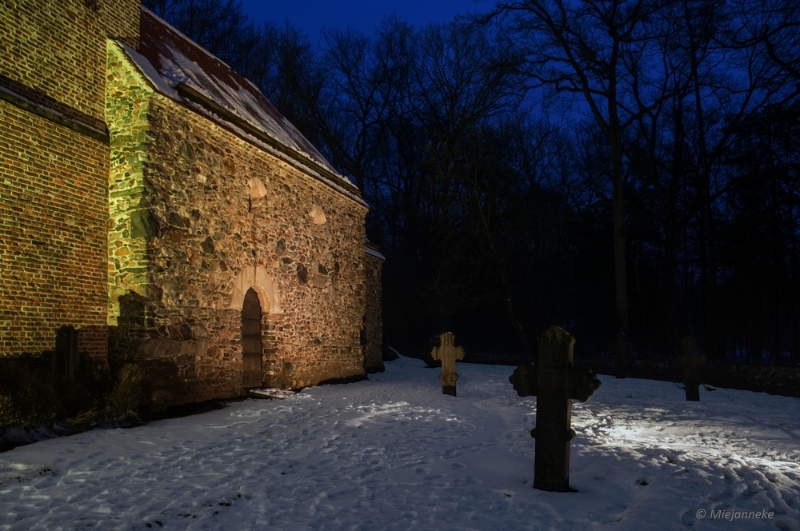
(251, 340)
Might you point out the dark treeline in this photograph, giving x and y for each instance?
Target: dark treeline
(626, 169)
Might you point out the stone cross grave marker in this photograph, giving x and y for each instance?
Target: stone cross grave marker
(448, 353)
(691, 362)
(555, 383)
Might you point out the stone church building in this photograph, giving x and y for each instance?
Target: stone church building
(156, 201)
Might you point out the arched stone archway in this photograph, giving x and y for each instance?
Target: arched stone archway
(257, 279)
(255, 294)
(251, 340)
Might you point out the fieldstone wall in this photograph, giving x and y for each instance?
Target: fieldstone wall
(200, 215)
(129, 192)
(373, 317)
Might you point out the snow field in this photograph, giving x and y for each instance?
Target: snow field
(394, 453)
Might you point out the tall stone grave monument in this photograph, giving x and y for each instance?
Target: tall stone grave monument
(448, 353)
(555, 383)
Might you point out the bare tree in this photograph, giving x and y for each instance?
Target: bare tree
(594, 50)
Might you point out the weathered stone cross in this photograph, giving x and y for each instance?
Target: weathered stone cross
(691, 362)
(448, 353)
(554, 382)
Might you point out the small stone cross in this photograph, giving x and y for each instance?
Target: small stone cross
(691, 362)
(554, 382)
(448, 353)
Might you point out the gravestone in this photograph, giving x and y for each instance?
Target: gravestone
(555, 383)
(448, 353)
(66, 359)
(621, 351)
(691, 362)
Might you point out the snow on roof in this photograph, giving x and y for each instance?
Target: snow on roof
(183, 71)
(373, 249)
(374, 252)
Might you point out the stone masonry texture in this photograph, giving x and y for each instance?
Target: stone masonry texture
(373, 318)
(193, 207)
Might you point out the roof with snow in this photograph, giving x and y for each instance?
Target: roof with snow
(183, 71)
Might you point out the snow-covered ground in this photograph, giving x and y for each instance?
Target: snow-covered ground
(395, 453)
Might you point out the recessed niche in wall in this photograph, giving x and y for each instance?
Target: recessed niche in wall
(317, 215)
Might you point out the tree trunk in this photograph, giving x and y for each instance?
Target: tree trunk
(620, 266)
(669, 300)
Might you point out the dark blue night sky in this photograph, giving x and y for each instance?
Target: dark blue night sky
(362, 15)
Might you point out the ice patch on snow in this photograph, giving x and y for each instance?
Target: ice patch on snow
(271, 392)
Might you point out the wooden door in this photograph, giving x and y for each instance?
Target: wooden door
(251, 340)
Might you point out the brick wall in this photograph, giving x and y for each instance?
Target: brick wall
(54, 169)
(120, 19)
(53, 248)
(56, 50)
